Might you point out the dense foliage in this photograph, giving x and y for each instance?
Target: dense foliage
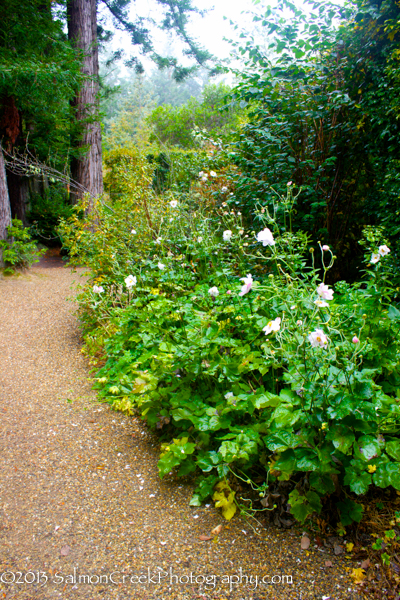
(248, 364)
(325, 116)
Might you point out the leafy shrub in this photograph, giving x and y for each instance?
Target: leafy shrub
(272, 378)
(18, 251)
(45, 213)
(175, 125)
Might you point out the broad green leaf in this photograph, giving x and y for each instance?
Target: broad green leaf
(341, 437)
(393, 449)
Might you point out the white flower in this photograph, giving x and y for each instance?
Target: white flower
(173, 203)
(318, 338)
(324, 291)
(227, 235)
(130, 281)
(383, 250)
(213, 174)
(375, 257)
(199, 239)
(133, 232)
(293, 307)
(213, 292)
(171, 219)
(248, 283)
(274, 325)
(325, 247)
(161, 266)
(98, 289)
(224, 189)
(265, 236)
(201, 174)
(320, 303)
(158, 241)
(204, 178)
(299, 323)
(228, 395)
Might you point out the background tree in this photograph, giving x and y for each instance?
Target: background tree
(82, 31)
(40, 74)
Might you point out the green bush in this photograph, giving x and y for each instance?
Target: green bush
(18, 251)
(273, 378)
(45, 213)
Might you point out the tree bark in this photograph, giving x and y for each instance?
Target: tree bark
(5, 210)
(82, 31)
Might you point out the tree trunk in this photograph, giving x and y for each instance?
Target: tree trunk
(5, 211)
(82, 31)
(18, 191)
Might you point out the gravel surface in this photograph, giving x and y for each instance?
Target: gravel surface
(83, 513)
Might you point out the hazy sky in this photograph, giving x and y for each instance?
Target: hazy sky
(208, 30)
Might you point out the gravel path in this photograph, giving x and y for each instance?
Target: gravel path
(82, 508)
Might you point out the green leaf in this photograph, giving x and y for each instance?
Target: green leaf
(393, 313)
(281, 440)
(302, 506)
(358, 482)
(341, 437)
(265, 400)
(350, 512)
(393, 449)
(322, 483)
(367, 447)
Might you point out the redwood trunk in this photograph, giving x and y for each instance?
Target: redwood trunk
(82, 31)
(5, 211)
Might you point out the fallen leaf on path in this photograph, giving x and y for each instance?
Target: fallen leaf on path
(216, 530)
(349, 547)
(328, 563)
(338, 549)
(365, 563)
(305, 542)
(205, 538)
(357, 576)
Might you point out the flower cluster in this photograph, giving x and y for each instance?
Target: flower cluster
(382, 251)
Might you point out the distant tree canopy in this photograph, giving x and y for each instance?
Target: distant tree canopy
(174, 125)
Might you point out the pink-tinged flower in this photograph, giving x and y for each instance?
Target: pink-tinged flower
(375, 257)
(383, 250)
(213, 292)
(227, 235)
(324, 291)
(355, 340)
(130, 281)
(325, 247)
(274, 325)
(289, 183)
(318, 338)
(248, 284)
(265, 236)
(320, 303)
(228, 292)
(98, 289)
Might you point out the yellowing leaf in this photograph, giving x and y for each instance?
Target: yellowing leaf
(224, 498)
(357, 575)
(349, 547)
